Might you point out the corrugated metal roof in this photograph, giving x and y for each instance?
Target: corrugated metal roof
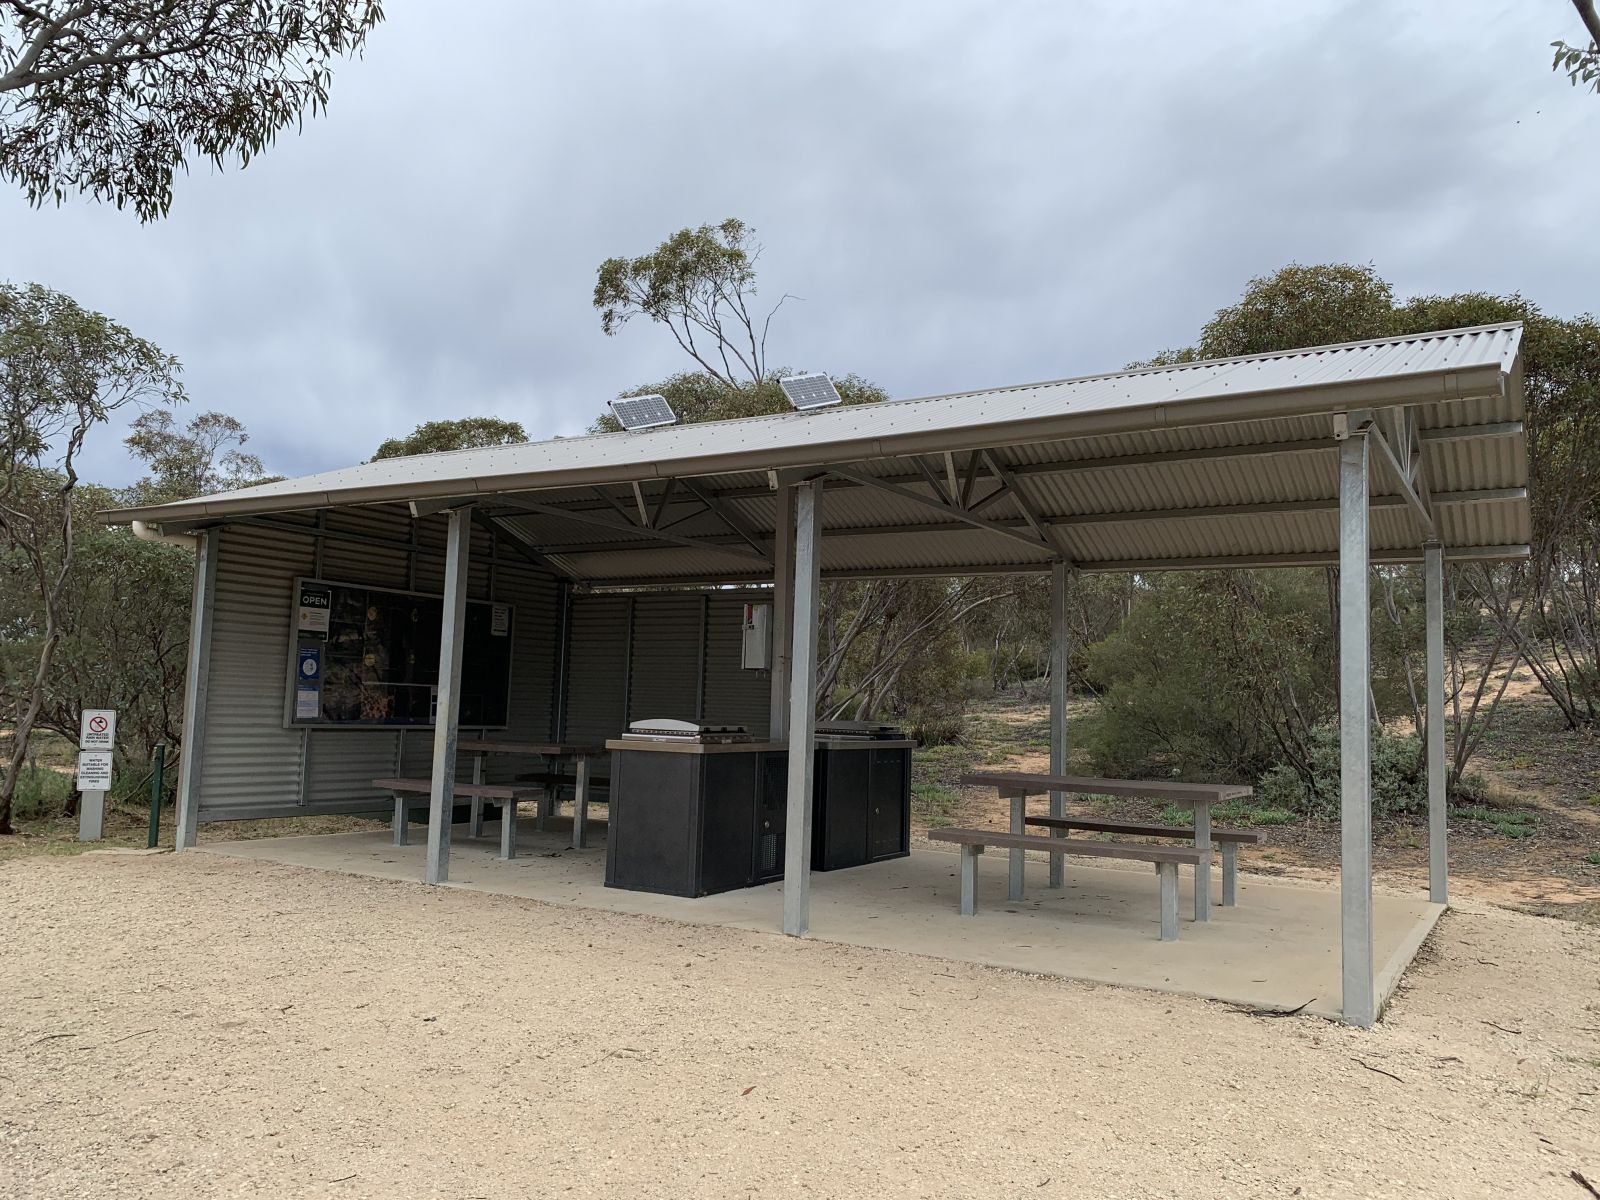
(1121, 469)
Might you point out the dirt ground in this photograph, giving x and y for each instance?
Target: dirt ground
(192, 1025)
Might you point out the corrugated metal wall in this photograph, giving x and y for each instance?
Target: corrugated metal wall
(250, 760)
(252, 765)
(668, 674)
(667, 654)
(665, 670)
(597, 674)
(733, 696)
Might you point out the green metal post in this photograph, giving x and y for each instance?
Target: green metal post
(155, 795)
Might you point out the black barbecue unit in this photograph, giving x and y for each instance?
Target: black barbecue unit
(861, 805)
(696, 809)
(686, 815)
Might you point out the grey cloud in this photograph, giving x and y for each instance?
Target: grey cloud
(964, 194)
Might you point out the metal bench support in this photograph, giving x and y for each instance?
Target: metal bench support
(402, 835)
(580, 805)
(476, 828)
(969, 879)
(1167, 872)
(1202, 871)
(1230, 874)
(508, 829)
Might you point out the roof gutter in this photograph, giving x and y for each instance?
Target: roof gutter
(1319, 399)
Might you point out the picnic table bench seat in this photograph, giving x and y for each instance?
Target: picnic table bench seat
(1017, 786)
(404, 789)
(973, 842)
(1228, 839)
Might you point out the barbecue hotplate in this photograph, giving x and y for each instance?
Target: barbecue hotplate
(866, 730)
(663, 729)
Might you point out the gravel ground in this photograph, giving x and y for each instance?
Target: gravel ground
(192, 1025)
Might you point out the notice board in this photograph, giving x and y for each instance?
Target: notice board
(368, 656)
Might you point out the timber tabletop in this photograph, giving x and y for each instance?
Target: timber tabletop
(1153, 789)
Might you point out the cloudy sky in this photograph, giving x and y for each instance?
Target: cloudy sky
(964, 192)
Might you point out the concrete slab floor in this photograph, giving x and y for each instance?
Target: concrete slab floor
(1278, 948)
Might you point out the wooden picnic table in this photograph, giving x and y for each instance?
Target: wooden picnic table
(1017, 786)
(580, 753)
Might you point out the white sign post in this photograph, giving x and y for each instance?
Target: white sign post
(97, 735)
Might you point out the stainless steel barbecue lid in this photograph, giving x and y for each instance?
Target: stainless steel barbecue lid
(659, 728)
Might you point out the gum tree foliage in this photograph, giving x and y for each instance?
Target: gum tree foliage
(110, 97)
(204, 456)
(63, 371)
(464, 433)
(701, 285)
(1581, 64)
(124, 611)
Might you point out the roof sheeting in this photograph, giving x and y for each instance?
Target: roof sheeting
(1120, 469)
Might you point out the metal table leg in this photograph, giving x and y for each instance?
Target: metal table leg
(1019, 805)
(1202, 870)
(580, 804)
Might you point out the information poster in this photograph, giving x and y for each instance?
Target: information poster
(308, 683)
(316, 604)
(370, 656)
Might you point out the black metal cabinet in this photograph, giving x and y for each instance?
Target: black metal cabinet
(889, 805)
(771, 816)
(690, 824)
(682, 824)
(861, 806)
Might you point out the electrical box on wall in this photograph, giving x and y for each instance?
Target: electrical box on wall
(757, 652)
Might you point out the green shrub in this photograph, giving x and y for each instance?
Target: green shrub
(933, 727)
(1507, 822)
(1399, 779)
(1242, 814)
(41, 793)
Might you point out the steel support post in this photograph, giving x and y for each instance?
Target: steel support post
(442, 796)
(782, 611)
(1438, 835)
(197, 685)
(1355, 716)
(802, 709)
(1060, 664)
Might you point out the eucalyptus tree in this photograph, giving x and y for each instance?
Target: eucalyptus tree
(63, 371)
(460, 433)
(1582, 63)
(111, 97)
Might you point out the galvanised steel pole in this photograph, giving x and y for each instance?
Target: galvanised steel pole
(1355, 716)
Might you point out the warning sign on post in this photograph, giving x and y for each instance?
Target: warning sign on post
(97, 729)
(94, 770)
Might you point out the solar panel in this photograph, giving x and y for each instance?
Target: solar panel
(643, 412)
(810, 391)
